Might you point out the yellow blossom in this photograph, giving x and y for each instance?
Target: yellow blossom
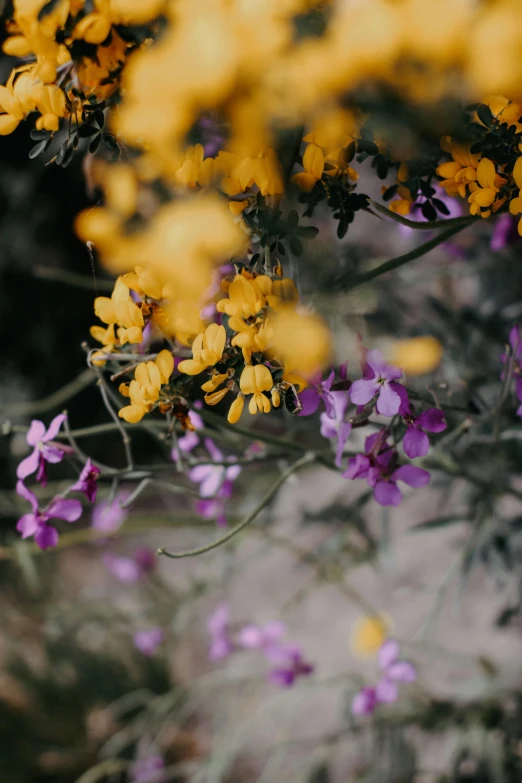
(121, 310)
(417, 355)
(144, 390)
(313, 164)
(254, 381)
(369, 634)
(236, 409)
(302, 341)
(484, 194)
(207, 350)
(461, 171)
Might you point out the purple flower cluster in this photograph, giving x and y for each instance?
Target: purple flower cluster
(378, 389)
(286, 661)
(393, 671)
(216, 484)
(46, 451)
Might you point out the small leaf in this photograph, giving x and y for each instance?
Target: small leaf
(307, 232)
(95, 143)
(69, 155)
(281, 248)
(38, 135)
(390, 192)
(85, 131)
(349, 152)
(292, 220)
(99, 117)
(429, 211)
(370, 147)
(60, 155)
(296, 246)
(440, 206)
(485, 115)
(39, 148)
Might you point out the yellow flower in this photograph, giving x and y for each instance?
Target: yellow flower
(515, 205)
(256, 380)
(93, 28)
(461, 171)
(144, 390)
(236, 409)
(134, 412)
(418, 355)
(50, 101)
(369, 634)
(109, 341)
(313, 164)
(301, 341)
(17, 98)
(121, 310)
(207, 350)
(484, 194)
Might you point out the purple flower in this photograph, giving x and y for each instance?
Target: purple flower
(218, 626)
(515, 342)
(385, 692)
(87, 481)
(108, 517)
(147, 642)
(378, 467)
(260, 637)
(288, 665)
(416, 443)
(130, 569)
(44, 450)
(216, 483)
(35, 523)
(382, 382)
(311, 397)
(334, 426)
(148, 770)
(190, 439)
(504, 232)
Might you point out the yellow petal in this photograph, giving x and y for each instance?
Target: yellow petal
(213, 399)
(236, 409)
(191, 367)
(165, 364)
(132, 413)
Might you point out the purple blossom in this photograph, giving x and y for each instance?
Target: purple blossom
(515, 342)
(378, 467)
(288, 663)
(335, 426)
(148, 770)
(36, 522)
(148, 641)
(504, 232)
(318, 391)
(87, 481)
(218, 626)
(382, 382)
(108, 517)
(386, 691)
(416, 443)
(130, 569)
(190, 439)
(44, 450)
(260, 637)
(216, 483)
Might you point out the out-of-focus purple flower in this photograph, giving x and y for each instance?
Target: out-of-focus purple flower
(504, 233)
(108, 517)
(382, 383)
(36, 523)
(515, 342)
(190, 439)
(393, 671)
(147, 642)
(288, 663)
(218, 626)
(335, 426)
(130, 569)
(260, 637)
(148, 770)
(416, 443)
(87, 481)
(378, 467)
(44, 450)
(216, 483)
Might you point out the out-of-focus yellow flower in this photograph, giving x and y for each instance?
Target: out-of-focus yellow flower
(515, 205)
(207, 350)
(417, 355)
(302, 341)
(313, 164)
(369, 634)
(255, 381)
(459, 173)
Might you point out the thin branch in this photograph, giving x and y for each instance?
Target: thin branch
(71, 278)
(305, 460)
(54, 400)
(395, 263)
(124, 436)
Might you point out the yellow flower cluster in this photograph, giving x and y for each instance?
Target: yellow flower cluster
(326, 149)
(146, 388)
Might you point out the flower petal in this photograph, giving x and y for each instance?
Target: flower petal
(309, 400)
(386, 493)
(27, 525)
(416, 443)
(432, 420)
(28, 465)
(26, 494)
(411, 475)
(54, 427)
(36, 432)
(402, 671)
(388, 402)
(386, 691)
(46, 536)
(52, 454)
(388, 653)
(362, 391)
(60, 508)
(364, 702)
(344, 433)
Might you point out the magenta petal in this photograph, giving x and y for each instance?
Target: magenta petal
(402, 671)
(27, 525)
(309, 400)
(432, 420)
(35, 432)
(386, 691)
(358, 467)
(69, 510)
(411, 475)
(386, 493)
(388, 402)
(54, 427)
(375, 360)
(388, 653)
(363, 391)
(364, 702)
(52, 454)
(46, 536)
(416, 443)
(28, 465)
(518, 389)
(26, 494)
(220, 648)
(404, 408)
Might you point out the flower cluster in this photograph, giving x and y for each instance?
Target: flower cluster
(393, 671)
(286, 661)
(47, 451)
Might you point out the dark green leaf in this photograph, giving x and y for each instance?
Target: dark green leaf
(95, 143)
(38, 135)
(85, 131)
(370, 147)
(292, 220)
(485, 115)
(307, 232)
(39, 148)
(296, 246)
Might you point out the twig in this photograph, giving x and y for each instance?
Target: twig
(71, 278)
(423, 225)
(124, 436)
(55, 399)
(306, 459)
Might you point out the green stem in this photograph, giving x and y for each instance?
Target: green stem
(395, 263)
(306, 459)
(424, 225)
